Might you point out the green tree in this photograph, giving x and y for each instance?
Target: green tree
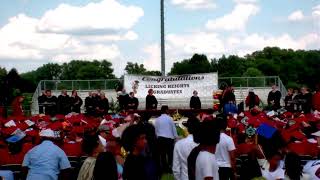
(135, 68)
(252, 72)
(197, 64)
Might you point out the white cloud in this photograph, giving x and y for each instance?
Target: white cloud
(104, 16)
(236, 20)
(66, 33)
(152, 61)
(194, 4)
(184, 46)
(296, 16)
(316, 11)
(245, 1)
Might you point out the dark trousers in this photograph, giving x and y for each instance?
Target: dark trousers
(165, 147)
(225, 173)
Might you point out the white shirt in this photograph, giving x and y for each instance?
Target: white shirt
(181, 153)
(223, 148)
(165, 127)
(311, 168)
(206, 166)
(277, 174)
(103, 141)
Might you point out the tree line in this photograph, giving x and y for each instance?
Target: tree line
(295, 68)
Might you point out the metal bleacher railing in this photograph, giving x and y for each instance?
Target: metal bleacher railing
(241, 85)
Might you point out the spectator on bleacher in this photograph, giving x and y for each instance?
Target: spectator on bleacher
(16, 105)
(202, 162)
(50, 104)
(151, 101)
(105, 167)
(316, 99)
(288, 101)
(103, 105)
(195, 102)
(182, 150)
(76, 102)
(225, 152)
(137, 164)
(293, 168)
(64, 103)
(89, 104)
(41, 100)
(274, 98)
(252, 99)
(133, 102)
(92, 146)
(47, 160)
(306, 100)
(272, 170)
(123, 98)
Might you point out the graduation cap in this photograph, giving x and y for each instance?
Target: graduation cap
(266, 130)
(14, 138)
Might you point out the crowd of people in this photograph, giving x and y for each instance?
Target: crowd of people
(96, 103)
(238, 143)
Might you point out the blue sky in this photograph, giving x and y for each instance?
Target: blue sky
(34, 32)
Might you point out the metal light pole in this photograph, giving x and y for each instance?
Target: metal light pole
(163, 53)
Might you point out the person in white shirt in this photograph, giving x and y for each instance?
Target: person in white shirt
(202, 164)
(182, 150)
(312, 168)
(225, 152)
(167, 133)
(274, 171)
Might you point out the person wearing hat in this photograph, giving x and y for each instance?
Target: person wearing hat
(252, 99)
(46, 160)
(104, 133)
(182, 150)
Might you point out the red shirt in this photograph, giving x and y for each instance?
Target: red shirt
(316, 101)
(72, 149)
(245, 148)
(8, 158)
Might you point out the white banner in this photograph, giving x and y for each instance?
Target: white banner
(172, 87)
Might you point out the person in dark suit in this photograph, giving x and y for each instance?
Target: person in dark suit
(89, 104)
(50, 104)
(63, 103)
(274, 98)
(76, 102)
(151, 101)
(133, 102)
(41, 100)
(103, 105)
(195, 102)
